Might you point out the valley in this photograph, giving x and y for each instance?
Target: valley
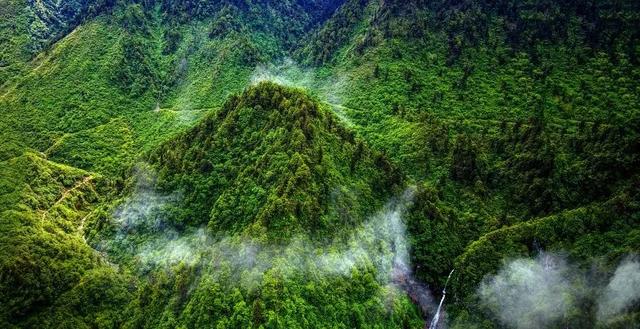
(319, 164)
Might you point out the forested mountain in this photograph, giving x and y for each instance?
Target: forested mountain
(282, 154)
(319, 163)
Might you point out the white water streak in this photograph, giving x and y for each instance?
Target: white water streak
(436, 319)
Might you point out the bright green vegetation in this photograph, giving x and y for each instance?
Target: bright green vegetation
(270, 159)
(50, 276)
(149, 179)
(245, 171)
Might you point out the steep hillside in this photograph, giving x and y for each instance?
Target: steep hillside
(507, 114)
(28, 27)
(241, 204)
(274, 158)
(475, 60)
(138, 64)
(323, 164)
(45, 258)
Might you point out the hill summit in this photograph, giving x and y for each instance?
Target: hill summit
(275, 159)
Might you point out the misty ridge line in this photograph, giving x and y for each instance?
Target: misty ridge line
(541, 292)
(525, 293)
(288, 73)
(380, 242)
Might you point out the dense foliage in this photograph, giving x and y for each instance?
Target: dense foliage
(274, 158)
(150, 177)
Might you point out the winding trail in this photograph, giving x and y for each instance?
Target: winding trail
(554, 123)
(196, 111)
(81, 227)
(66, 193)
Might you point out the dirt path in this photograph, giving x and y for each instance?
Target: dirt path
(81, 227)
(170, 110)
(66, 193)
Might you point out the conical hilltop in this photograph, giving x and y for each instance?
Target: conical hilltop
(148, 181)
(274, 159)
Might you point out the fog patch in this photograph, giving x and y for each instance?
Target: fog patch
(529, 293)
(381, 240)
(330, 90)
(545, 291)
(286, 73)
(143, 223)
(622, 292)
(380, 243)
(143, 210)
(140, 226)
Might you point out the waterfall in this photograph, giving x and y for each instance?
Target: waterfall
(436, 318)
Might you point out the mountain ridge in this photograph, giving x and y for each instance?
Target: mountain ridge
(189, 189)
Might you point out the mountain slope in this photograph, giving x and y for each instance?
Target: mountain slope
(148, 180)
(505, 113)
(28, 27)
(263, 205)
(276, 157)
(474, 60)
(44, 206)
(132, 60)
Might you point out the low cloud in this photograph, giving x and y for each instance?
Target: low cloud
(144, 231)
(529, 293)
(329, 90)
(547, 290)
(622, 292)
